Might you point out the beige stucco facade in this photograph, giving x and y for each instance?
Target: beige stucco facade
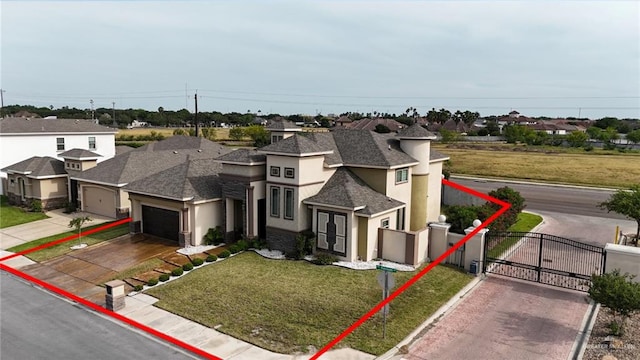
(51, 191)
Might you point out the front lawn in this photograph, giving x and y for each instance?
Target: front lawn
(11, 215)
(294, 306)
(63, 248)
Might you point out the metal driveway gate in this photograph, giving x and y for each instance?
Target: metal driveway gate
(543, 258)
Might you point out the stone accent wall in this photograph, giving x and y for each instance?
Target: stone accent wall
(283, 240)
(184, 238)
(135, 227)
(14, 199)
(51, 204)
(122, 213)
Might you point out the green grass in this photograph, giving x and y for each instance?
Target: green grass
(524, 223)
(11, 215)
(286, 306)
(63, 248)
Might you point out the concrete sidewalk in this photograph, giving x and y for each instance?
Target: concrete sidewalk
(140, 309)
(57, 223)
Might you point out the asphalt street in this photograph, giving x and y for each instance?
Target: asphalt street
(543, 197)
(35, 324)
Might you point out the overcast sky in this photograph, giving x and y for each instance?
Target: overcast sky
(541, 58)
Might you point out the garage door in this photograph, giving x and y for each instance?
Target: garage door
(99, 201)
(160, 222)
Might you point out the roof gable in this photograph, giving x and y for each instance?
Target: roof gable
(370, 149)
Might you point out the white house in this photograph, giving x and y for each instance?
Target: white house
(22, 138)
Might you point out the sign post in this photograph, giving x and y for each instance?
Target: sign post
(386, 281)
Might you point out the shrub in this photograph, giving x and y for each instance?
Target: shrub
(461, 217)
(620, 293)
(69, 207)
(164, 277)
(197, 262)
(187, 267)
(588, 147)
(138, 288)
(324, 259)
(242, 244)
(224, 254)
(214, 236)
(35, 205)
(212, 258)
(177, 272)
(508, 218)
(257, 243)
(152, 282)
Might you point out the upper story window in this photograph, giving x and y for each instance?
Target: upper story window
(60, 144)
(289, 173)
(288, 204)
(384, 223)
(275, 138)
(275, 171)
(92, 142)
(275, 201)
(402, 175)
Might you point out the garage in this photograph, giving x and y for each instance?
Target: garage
(99, 201)
(160, 222)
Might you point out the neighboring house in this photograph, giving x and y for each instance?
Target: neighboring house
(23, 138)
(100, 189)
(37, 178)
(370, 124)
(137, 124)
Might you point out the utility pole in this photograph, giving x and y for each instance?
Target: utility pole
(195, 118)
(113, 111)
(92, 114)
(1, 104)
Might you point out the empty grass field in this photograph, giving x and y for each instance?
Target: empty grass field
(297, 307)
(611, 170)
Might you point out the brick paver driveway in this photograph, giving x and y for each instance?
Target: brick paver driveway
(80, 271)
(506, 319)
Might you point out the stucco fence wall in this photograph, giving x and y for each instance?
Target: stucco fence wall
(624, 258)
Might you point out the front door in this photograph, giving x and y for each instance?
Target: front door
(332, 232)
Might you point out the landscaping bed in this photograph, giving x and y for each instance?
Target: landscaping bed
(625, 347)
(298, 307)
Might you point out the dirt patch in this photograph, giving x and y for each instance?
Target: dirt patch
(176, 259)
(625, 347)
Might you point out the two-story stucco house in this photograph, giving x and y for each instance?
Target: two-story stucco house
(23, 138)
(343, 185)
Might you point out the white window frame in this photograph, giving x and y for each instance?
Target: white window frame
(402, 175)
(92, 141)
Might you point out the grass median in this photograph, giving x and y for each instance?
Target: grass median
(63, 248)
(525, 223)
(296, 307)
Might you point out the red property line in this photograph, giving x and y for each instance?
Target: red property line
(504, 207)
(405, 286)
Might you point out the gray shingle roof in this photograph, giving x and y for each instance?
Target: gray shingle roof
(151, 159)
(13, 125)
(295, 145)
(195, 179)
(326, 141)
(282, 125)
(121, 149)
(243, 156)
(367, 148)
(38, 166)
(346, 190)
(415, 131)
(437, 155)
(79, 154)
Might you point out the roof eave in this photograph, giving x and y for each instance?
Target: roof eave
(159, 195)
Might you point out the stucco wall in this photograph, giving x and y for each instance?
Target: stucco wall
(51, 188)
(401, 192)
(624, 258)
(204, 216)
(434, 196)
(394, 245)
(375, 178)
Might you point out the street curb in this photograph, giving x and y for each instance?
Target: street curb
(443, 310)
(582, 339)
(531, 183)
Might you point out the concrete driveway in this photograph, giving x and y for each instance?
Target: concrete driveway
(504, 318)
(81, 271)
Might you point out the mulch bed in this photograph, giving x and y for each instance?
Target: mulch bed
(625, 347)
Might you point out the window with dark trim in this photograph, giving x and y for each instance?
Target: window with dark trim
(402, 175)
(60, 144)
(400, 214)
(92, 142)
(275, 201)
(384, 223)
(275, 171)
(288, 204)
(289, 173)
(275, 138)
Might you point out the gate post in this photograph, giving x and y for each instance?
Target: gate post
(539, 267)
(475, 246)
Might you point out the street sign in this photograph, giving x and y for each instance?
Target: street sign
(391, 281)
(386, 268)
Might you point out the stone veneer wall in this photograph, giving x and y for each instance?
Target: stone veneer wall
(279, 239)
(48, 204)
